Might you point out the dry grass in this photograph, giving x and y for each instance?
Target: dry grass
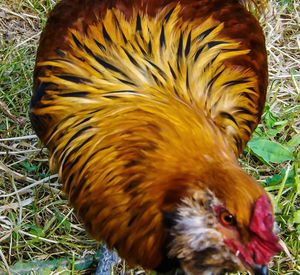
(36, 222)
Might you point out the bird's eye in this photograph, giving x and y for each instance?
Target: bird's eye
(226, 218)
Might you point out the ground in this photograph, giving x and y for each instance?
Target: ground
(39, 233)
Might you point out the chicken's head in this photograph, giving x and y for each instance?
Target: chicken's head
(209, 237)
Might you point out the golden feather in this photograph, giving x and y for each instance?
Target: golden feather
(138, 100)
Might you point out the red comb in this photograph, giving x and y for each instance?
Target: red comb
(264, 243)
(262, 220)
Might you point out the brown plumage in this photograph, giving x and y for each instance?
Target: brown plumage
(145, 106)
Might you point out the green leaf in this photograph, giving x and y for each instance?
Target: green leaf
(277, 179)
(269, 151)
(29, 166)
(270, 118)
(36, 230)
(294, 141)
(297, 217)
(278, 128)
(258, 132)
(298, 229)
(40, 267)
(47, 267)
(65, 224)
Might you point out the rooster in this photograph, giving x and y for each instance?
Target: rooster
(145, 106)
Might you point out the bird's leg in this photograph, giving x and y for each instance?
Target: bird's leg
(108, 259)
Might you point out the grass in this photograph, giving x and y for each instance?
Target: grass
(36, 222)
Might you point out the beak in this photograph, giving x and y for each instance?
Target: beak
(261, 270)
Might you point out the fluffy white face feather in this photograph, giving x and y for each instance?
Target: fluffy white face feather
(198, 239)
